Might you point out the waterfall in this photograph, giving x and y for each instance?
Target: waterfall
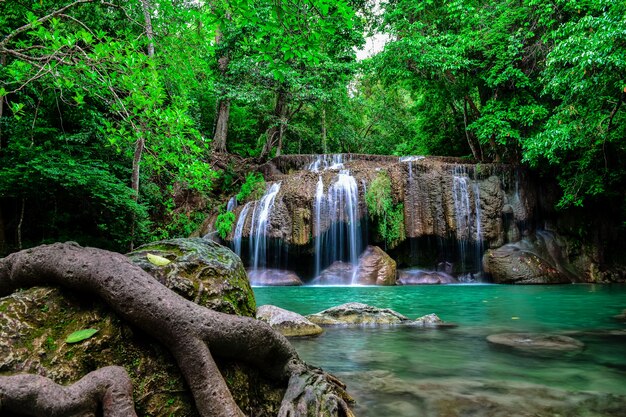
(241, 221)
(232, 204)
(467, 217)
(317, 210)
(258, 227)
(342, 241)
(325, 162)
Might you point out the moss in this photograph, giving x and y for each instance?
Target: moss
(388, 217)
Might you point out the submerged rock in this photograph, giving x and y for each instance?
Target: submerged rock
(432, 321)
(535, 342)
(273, 277)
(35, 323)
(381, 393)
(621, 316)
(287, 322)
(420, 277)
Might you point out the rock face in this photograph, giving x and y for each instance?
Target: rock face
(287, 322)
(376, 268)
(534, 260)
(35, 323)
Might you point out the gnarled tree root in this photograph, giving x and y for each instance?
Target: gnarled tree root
(108, 389)
(191, 332)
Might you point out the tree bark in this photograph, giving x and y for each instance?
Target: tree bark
(145, 4)
(276, 130)
(324, 130)
(109, 389)
(469, 135)
(3, 144)
(220, 135)
(221, 126)
(191, 332)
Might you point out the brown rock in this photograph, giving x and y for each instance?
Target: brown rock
(273, 277)
(376, 268)
(287, 322)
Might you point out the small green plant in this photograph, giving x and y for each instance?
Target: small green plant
(224, 223)
(252, 188)
(387, 216)
(80, 335)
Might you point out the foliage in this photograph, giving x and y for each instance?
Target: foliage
(224, 223)
(80, 335)
(388, 217)
(253, 187)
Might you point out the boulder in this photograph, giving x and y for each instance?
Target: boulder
(200, 270)
(357, 314)
(535, 342)
(431, 321)
(537, 259)
(338, 273)
(35, 324)
(287, 322)
(376, 268)
(273, 277)
(419, 277)
(621, 316)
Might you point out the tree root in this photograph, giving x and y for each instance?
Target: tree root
(108, 388)
(191, 332)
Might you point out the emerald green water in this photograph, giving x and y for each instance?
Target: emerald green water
(406, 371)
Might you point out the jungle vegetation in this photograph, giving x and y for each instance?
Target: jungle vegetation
(119, 120)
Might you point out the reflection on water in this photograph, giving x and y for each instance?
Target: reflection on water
(407, 371)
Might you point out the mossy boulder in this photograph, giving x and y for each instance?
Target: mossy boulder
(200, 270)
(35, 323)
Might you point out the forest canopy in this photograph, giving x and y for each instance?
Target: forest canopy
(118, 118)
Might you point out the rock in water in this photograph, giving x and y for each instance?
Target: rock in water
(419, 277)
(357, 314)
(287, 322)
(273, 277)
(536, 342)
(376, 268)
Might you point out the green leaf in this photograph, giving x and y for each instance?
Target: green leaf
(157, 260)
(80, 335)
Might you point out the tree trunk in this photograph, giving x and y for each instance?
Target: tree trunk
(469, 135)
(147, 9)
(191, 332)
(276, 130)
(220, 134)
(324, 130)
(3, 240)
(221, 126)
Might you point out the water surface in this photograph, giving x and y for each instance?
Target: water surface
(405, 371)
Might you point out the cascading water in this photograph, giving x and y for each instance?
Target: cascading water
(324, 162)
(317, 209)
(232, 204)
(258, 228)
(241, 221)
(342, 241)
(467, 217)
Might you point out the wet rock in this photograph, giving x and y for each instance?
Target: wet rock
(357, 314)
(287, 322)
(537, 259)
(338, 273)
(432, 321)
(419, 277)
(535, 342)
(202, 271)
(376, 268)
(273, 277)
